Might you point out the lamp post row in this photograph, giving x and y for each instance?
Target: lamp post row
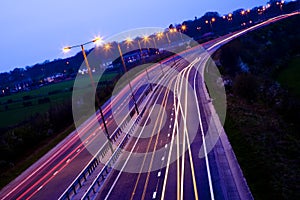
(98, 40)
(107, 46)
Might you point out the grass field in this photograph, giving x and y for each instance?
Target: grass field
(290, 77)
(15, 112)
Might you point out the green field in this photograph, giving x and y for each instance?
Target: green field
(15, 112)
(290, 77)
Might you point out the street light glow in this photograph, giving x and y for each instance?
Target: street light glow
(98, 41)
(183, 27)
(146, 38)
(107, 46)
(213, 19)
(66, 49)
(128, 40)
(159, 35)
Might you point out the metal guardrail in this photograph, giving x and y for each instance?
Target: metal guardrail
(99, 180)
(90, 167)
(95, 161)
(108, 166)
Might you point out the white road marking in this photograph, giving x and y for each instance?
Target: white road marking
(154, 195)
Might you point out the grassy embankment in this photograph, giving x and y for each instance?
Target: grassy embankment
(17, 113)
(263, 107)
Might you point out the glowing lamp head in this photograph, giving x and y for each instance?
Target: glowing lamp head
(146, 38)
(98, 41)
(107, 47)
(183, 27)
(159, 35)
(213, 19)
(128, 40)
(66, 49)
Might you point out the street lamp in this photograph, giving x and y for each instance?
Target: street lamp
(98, 41)
(125, 70)
(155, 45)
(145, 39)
(280, 4)
(182, 28)
(210, 22)
(107, 47)
(229, 17)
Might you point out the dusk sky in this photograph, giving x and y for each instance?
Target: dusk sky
(33, 31)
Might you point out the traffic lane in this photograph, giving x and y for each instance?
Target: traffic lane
(42, 172)
(221, 187)
(155, 182)
(217, 182)
(59, 163)
(89, 149)
(160, 156)
(56, 186)
(127, 176)
(114, 173)
(77, 155)
(172, 180)
(28, 177)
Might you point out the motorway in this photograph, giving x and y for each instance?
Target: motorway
(161, 160)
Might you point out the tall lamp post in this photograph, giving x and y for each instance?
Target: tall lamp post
(68, 48)
(129, 82)
(145, 38)
(280, 4)
(155, 45)
(210, 22)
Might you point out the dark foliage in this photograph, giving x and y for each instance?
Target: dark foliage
(262, 117)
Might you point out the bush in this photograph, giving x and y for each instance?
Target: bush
(245, 86)
(27, 97)
(44, 100)
(27, 103)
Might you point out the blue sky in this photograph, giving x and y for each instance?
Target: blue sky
(33, 31)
